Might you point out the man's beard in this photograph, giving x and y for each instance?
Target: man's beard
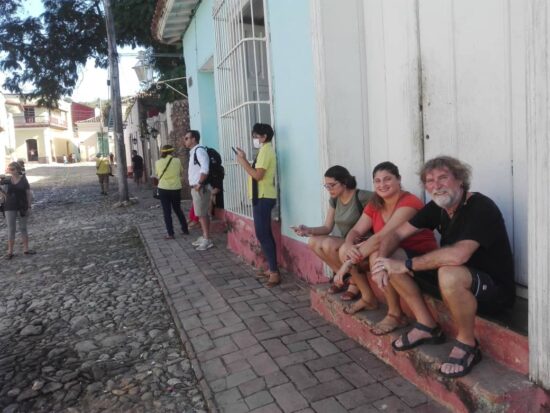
(446, 199)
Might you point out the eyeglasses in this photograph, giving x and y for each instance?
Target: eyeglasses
(331, 185)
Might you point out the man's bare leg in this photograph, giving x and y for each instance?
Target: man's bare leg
(455, 283)
(407, 288)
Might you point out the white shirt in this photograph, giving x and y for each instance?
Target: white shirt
(195, 170)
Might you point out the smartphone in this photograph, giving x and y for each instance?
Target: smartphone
(234, 150)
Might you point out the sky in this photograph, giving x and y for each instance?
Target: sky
(92, 82)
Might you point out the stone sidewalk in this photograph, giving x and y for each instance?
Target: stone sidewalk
(261, 350)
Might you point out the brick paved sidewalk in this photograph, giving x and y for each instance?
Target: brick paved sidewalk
(261, 350)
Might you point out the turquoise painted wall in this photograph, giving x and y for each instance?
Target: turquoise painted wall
(295, 113)
(198, 48)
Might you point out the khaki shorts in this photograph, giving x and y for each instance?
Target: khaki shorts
(103, 178)
(201, 201)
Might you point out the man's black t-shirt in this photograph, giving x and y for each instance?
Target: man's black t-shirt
(137, 162)
(480, 220)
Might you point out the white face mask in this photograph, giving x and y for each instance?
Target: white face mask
(256, 143)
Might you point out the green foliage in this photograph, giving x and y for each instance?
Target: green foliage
(47, 51)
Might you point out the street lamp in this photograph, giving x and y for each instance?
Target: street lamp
(144, 71)
(154, 133)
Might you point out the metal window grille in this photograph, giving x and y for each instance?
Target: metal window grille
(243, 89)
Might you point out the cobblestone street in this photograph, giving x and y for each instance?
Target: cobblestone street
(84, 326)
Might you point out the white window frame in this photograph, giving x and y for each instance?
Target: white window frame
(242, 73)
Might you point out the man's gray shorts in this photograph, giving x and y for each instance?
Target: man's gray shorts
(201, 201)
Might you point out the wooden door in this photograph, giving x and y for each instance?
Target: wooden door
(473, 99)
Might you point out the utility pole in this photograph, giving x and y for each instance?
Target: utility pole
(116, 104)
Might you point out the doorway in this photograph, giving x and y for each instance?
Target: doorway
(32, 150)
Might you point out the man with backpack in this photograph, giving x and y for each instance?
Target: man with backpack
(199, 167)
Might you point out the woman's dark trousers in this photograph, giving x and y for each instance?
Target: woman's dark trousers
(170, 200)
(262, 224)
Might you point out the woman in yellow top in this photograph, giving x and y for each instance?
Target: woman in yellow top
(103, 171)
(263, 193)
(169, 170)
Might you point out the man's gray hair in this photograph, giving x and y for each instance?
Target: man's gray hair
(460, 170)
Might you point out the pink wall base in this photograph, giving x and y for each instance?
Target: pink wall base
(292, 255)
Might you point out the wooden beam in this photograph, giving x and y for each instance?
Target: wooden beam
(538, 129)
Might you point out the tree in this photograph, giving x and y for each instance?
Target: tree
(47, 51)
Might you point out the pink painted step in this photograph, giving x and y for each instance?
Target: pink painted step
(490, 387)
(502, 344)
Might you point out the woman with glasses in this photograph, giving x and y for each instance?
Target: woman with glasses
(16, 206)
(263, 192)
(388, 209)
(345, 208)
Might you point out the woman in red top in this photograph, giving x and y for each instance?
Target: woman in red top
(388, 208)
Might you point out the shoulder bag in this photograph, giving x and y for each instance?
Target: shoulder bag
(156, 193)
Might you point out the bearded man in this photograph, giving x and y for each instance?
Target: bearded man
(473, 270)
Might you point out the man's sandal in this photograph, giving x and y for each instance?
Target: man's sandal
(360, 305)
(383, 328)
(436, 337)
(472, 356)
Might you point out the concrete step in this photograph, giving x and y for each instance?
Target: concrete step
(490, 387)
(504, 339)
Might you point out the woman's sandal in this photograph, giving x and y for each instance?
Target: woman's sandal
(472, 356)
(381, 328)
(9, 256)
(29, 252)
(271, 284)
(274, 279)
(359, 306)
(349, 296)
(335, 288)
(261, 274)
(436, 337)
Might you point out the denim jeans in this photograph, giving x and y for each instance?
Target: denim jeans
(262, 224)
(170, 199)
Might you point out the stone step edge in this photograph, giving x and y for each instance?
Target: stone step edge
(500, 343)
(489, 387)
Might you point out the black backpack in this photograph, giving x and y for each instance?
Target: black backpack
(216, 172)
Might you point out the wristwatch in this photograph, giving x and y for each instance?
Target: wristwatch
(409, 264)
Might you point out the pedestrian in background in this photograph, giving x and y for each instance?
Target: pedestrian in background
(103, 171)
(137, 167)
(169, 170)
(17, 205)
(262, 191)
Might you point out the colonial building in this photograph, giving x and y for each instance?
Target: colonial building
(41, 134)
(360, 82)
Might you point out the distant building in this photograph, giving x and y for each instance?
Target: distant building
(41, 134)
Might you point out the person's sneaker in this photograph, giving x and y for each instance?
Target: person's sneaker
(198, 241)
(204, 245)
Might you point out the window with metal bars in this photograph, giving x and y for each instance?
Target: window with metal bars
(243, 89)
